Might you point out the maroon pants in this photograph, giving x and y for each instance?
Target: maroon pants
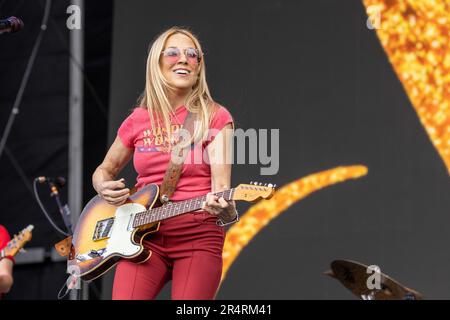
(187, 249)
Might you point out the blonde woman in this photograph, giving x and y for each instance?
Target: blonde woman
(187, 249)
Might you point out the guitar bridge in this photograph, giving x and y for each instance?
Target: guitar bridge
(103, 229)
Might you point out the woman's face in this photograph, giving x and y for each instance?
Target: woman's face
(180, 62)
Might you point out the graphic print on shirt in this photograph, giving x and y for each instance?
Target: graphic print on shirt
(157, 139)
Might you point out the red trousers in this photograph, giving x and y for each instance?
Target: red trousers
(187, 249)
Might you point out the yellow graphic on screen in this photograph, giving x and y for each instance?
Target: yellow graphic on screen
(415, 35)
(260, 214)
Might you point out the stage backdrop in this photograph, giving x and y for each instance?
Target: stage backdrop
(316, 72)
(38, 143)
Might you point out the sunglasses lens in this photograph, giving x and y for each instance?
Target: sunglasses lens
(192, 55)
(172, 54)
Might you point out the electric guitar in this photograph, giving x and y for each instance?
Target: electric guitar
(105, 234)
(17, 243)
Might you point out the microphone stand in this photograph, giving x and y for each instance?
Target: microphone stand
(64, 210)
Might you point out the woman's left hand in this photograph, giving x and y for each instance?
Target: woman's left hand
(224, 210)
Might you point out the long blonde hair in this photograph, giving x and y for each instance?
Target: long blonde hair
(154, 97)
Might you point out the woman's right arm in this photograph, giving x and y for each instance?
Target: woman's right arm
(113, 191)
(6, 278)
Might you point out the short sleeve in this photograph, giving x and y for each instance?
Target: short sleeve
(126, 132)
(4, 239)
(220, 119)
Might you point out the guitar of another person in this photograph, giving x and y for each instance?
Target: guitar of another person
(17, 243)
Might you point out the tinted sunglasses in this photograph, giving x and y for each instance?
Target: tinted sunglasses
(173, 54)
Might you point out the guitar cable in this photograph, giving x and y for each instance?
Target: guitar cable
(73, 280)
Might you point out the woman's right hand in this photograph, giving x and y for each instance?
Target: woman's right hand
(113, 192)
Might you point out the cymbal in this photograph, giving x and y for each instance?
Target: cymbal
(354, 275)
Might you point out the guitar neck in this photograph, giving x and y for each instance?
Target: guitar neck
(15, 244)
(173, 209)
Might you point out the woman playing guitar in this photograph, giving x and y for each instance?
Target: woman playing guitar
(187, 249)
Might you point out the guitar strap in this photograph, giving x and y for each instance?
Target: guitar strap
(178, 155)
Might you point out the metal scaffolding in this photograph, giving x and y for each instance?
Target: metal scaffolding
(76, 95)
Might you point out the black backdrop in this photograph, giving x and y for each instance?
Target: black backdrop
(38, 144)
(313, 70)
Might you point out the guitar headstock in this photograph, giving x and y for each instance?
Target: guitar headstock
(253, 191)
(19, 240)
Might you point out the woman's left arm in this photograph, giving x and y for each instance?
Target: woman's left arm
(220, 159)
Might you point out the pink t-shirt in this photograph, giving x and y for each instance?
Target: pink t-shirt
(152, 151)
(4, 239)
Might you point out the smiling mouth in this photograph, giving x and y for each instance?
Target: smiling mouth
(182, 72)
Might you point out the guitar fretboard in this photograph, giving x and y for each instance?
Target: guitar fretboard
(173, 209)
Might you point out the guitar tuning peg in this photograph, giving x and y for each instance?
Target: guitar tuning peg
(260, 184)
(274, 185)
(251, 182)
(256, 183)
(270, 185)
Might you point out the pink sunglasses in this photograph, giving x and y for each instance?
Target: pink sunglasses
(173, 54)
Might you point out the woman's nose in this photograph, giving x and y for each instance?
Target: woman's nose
(183, 58)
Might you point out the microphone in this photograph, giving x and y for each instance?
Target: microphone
(60, 181)
(11, 25)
